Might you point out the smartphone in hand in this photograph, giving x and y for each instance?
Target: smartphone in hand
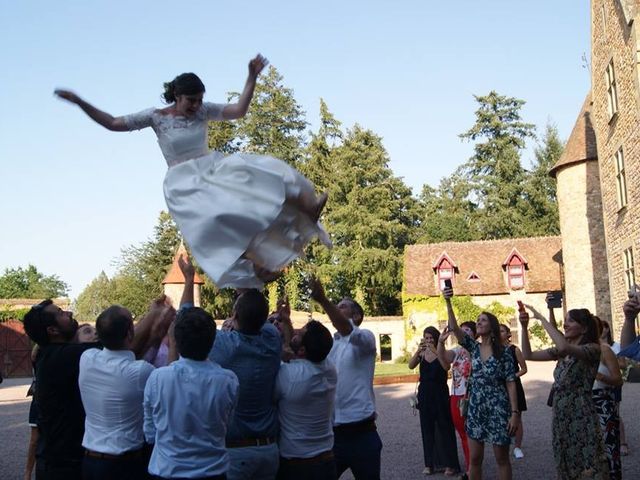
(447, 283)
(521, 308)
(554, 299)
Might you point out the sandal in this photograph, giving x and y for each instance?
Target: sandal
(624, 449)
(427, 471)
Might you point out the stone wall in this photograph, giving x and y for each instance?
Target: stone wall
(584, 255)
(614, 39)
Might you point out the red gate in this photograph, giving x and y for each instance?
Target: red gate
(15, 350)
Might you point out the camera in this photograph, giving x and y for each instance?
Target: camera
(554, 299)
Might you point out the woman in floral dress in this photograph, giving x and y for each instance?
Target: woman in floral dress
(577, 440)
(493, 415)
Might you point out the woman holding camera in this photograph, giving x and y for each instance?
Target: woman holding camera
(577, 440)
(493, 416)
(436, 425)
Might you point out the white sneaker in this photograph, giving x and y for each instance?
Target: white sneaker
(518, 453)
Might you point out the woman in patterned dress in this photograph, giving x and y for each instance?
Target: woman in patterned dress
(577, 440)
(493, 415)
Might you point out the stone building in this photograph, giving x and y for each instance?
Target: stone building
(502, 271)
(586, 278)
(598, 209)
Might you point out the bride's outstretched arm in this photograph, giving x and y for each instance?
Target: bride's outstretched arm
(240, 109)
(115, 124)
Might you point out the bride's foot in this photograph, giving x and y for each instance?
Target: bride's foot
(265, 275)
(317, 211)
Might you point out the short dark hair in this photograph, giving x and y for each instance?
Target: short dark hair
(355, 307)
(584, 317)
(195, 332)
(183, 84)
(37, 320)
(251, 310)
(471, 326)
(317, 341)
(113, 326)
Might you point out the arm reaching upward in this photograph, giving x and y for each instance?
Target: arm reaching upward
(115, 124)
(339, 321)
(453, 323)
(240, 109)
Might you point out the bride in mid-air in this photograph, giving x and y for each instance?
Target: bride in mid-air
(244, 216)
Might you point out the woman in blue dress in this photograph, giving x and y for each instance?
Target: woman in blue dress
(493, 416)
(243, 216)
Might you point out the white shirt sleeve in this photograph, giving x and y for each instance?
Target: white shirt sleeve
(140, 120)
(213, 111)
(149, 426)
(363, 340)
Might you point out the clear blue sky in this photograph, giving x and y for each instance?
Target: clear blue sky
(73, 194)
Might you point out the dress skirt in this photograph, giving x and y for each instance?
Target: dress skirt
(233, 212)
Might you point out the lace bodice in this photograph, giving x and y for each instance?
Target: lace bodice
(180, 138)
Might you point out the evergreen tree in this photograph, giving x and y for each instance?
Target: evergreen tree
(540, 188)
(495, 170)
(95, 297)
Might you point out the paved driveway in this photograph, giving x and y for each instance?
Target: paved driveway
(399, 429)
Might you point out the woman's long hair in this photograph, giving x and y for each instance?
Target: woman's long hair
(435, 333)
(496, 345)
(584, 317)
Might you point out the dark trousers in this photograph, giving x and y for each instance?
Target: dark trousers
(114, 468)
(291, 470)
(60, 470)
(359, 452)
(438, 435)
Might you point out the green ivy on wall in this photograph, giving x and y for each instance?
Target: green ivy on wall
(7, 314)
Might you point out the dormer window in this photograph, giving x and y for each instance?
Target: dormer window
(473, 277)
(515, 266)
(445, 269)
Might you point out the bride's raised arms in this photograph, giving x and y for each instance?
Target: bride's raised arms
(115, 124)
(238, 110)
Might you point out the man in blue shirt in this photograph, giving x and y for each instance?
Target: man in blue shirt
(188, 405)
(252, 351)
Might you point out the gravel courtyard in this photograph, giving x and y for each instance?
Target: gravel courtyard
(399, 429)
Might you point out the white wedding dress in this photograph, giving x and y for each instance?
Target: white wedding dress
(232, 208)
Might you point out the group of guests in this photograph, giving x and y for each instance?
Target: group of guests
(228, 403)
(487, 400)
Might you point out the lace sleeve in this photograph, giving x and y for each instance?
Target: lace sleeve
(213, 111)
(140, 120)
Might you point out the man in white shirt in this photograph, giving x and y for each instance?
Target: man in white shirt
(111, 385)
(305, 392)
(357, 445)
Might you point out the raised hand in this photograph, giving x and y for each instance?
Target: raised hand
(257, 64)
(186, 267)
(447, 292)
(67, 95)
(446, 333)
(317, 291)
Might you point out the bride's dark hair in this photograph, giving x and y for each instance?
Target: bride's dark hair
(183, 84)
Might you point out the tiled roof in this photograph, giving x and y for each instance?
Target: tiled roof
(484, 258)
(581, 145)
(175, 274)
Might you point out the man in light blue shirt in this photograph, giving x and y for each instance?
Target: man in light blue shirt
(252, 351)
(188, 405)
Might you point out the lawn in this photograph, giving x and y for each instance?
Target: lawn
(393, 369)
